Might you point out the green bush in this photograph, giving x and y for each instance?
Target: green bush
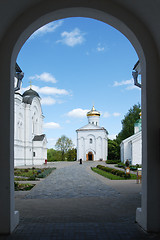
(32, 178)
(45, 173)
(127, 176)
(32, 174)
(114, 171)
(113, 161)
(121, 165)
(23, 186)
(133, 168)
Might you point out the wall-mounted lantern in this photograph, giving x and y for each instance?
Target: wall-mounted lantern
(18, 78)
(136, 71)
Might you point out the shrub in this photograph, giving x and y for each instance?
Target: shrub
(32, 178)
(121, 165)
(127, 176)
(114, 171)
(23, 186)
(113, 161)
(45, 173)
(16, 184)
(138, 165)
(133, 168)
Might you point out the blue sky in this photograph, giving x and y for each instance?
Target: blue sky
(74, 63)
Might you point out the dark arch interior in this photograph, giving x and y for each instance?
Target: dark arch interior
(90, 156)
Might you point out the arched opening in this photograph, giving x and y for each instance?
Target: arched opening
(90, 156)
(134, 30)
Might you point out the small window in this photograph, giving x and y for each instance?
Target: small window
(34, 154)
(92, 122)
(96, 123)
(90, 140)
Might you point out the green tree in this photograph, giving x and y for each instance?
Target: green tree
(113, 150)
(53, 155)
(63, 144)
(128, 123)
(71, 154)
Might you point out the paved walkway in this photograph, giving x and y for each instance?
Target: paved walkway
(74, 203)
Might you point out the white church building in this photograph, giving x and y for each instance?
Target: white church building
(30, 144)
(92, 140)
(131, 147)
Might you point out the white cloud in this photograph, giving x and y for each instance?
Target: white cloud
(72, 38)
(100, 48)
(132, 87)
(128, 83)
(68, 121)
(48, 101)
(53, 91)
(50, 27)
(51, 142)
(74, 140)
(47, 90)
(122, 83)
(78, 113)
(116, 114)
(112, 136)
(45, 77)
(52, 125)
(106, 114)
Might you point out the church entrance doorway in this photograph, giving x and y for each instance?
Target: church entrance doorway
(90, 156)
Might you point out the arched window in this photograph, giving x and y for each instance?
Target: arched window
(90, 140)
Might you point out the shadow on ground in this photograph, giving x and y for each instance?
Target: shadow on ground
(74, 203)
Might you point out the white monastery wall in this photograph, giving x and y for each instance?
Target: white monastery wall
(131, 149)
(28, 123)
(137, 150)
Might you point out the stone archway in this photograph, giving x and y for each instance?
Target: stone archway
(27, 18)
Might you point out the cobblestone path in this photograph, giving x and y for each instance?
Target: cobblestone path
(74, 203)
(73, 181)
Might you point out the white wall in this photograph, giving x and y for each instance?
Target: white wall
(131, 149)
(28, 123)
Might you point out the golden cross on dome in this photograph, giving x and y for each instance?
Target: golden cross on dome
(93, 107)
(30, 83)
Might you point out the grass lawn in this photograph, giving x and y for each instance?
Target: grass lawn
(110, 175)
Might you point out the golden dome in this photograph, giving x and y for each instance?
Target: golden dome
(93, 112)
